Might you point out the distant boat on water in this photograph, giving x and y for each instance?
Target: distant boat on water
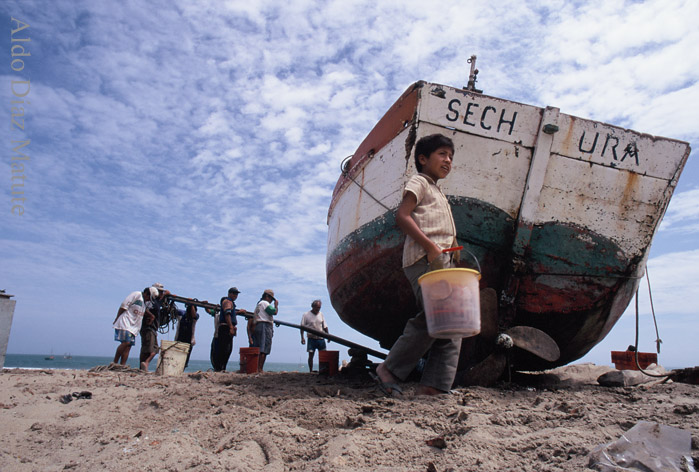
(67, 356)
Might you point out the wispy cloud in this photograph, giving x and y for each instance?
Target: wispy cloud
(629, 62)
(673, 279)
(682, 214)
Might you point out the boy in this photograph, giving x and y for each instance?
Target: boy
(424, 215)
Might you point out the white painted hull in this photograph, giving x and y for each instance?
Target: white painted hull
(572, 210)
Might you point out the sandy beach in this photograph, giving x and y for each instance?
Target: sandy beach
(302, 421)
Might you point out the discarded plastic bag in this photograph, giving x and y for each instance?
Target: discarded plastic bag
(647, 447)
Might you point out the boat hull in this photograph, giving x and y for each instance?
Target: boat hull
(559, 212)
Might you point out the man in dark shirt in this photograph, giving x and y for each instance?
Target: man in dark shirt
(149, 327)
(222, 344)
(186, 326)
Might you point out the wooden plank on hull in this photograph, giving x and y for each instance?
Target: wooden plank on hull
(535, 182)
(618, 204)
(480, 115)
(619, 148)
(483, 164)
(380, 178)
(395, 120)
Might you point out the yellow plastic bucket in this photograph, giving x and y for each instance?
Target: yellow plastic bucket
(173, 357)
(451, 298)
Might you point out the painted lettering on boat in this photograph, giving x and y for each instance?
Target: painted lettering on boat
(610, 148)
(485, 118)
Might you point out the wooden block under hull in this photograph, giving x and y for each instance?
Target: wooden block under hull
(626, 360)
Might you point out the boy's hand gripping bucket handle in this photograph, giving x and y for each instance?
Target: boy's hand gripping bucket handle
(459, 248)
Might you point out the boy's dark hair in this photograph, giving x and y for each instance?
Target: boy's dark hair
(429, 144)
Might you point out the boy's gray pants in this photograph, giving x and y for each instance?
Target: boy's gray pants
(440, 369)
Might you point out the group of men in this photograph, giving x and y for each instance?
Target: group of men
(260, 328)
(140, 312)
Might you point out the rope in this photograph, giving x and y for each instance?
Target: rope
(638, 365)
(117, 368)
(344, 168)
(658, 341)
(176, 345)
(166, 316)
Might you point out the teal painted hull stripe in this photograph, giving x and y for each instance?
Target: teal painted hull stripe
(553, 248)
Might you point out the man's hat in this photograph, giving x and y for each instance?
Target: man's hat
(269, 292)
(159, 286)
(233, 290)
(153, 292)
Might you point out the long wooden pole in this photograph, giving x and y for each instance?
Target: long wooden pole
(247, 314)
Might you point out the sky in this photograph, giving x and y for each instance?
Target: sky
(197, 144)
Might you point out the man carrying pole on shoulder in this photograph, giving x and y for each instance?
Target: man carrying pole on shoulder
(226, 329)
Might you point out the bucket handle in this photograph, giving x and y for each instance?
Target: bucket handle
(460, 248)
(176, 343)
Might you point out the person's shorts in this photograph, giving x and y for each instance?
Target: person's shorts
(124, 336)
(315, 344)
(149, 342)
(262, 337)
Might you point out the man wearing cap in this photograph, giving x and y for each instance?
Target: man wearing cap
(263, 328)
(226, 328)
(128, 321)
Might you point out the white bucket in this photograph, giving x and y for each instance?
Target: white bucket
(452, 302)
(173, 357)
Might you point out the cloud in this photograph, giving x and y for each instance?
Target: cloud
(628, 63)
(673, 284)
(682, 215)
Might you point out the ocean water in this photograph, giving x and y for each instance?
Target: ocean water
(36, 361)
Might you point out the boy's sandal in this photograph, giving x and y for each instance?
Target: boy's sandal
(389, 389)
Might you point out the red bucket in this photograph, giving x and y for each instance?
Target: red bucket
(327, 362)
(249, 359)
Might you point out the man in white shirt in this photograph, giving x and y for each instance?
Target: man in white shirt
(128, 321)
(261, 329)
(314, 319)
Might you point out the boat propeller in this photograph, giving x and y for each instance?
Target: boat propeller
(492, 368)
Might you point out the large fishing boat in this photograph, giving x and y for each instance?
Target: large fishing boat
(559, 211)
